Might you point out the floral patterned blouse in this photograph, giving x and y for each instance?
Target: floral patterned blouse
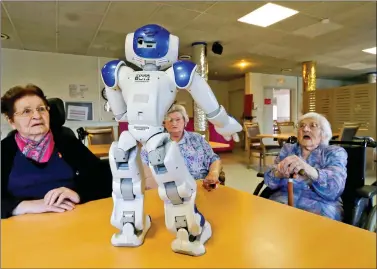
(321, 196)
(197, 153)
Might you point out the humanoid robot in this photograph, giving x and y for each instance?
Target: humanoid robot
(142, 99)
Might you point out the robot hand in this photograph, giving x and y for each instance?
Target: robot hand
(230, 130)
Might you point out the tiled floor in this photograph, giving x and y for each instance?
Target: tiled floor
(241, 178)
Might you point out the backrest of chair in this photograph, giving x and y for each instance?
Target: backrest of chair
(348, 132)
(286, 127)
(57, 112)
(100, 135)
(252, 130)
(356, 165)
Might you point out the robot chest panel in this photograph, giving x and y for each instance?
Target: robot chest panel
(147, 92)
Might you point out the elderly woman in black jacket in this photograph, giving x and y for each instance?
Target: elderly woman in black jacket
(43, 169)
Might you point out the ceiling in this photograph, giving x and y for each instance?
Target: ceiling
(98, 28)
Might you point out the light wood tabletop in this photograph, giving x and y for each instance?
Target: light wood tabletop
(103, 150)
(248, 231)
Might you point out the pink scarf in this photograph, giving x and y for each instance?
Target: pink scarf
(39, 151)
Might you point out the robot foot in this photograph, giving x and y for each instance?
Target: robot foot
(188, 245)
(128, 238)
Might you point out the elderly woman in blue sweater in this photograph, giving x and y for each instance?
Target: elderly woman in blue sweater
(319, 189)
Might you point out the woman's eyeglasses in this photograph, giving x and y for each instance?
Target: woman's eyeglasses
(29, 112)
(312, 125)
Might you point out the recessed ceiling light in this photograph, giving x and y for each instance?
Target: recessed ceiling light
(286, 70)
(267, 15)
(4, 36)
(242, 64)
(371, 50)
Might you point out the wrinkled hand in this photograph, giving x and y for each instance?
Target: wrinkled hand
(230, 130)
(211, 181)
(39, 206)
(60, 196)
(292, 165)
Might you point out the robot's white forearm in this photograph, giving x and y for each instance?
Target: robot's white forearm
(117, 103)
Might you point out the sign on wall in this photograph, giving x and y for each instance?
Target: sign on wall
(77, 90)
(79, 111)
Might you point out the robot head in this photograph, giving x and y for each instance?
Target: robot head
(153, 45)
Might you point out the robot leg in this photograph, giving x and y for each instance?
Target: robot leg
(128, 193)
(177, 188)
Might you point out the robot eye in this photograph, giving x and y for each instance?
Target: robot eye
(140, 40)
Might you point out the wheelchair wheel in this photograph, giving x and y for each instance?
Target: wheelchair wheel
(371, 222)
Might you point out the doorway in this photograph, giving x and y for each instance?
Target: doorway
(276, 108)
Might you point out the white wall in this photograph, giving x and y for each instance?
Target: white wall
(53, 73)
(256, 83)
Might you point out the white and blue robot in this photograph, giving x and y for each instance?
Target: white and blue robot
(142, 98)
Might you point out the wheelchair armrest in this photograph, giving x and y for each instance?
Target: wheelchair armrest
(260, 174)
(367, 191)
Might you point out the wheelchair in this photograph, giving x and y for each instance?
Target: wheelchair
(357, 197)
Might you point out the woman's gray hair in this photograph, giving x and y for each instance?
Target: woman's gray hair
(181, 109)
(324, 124)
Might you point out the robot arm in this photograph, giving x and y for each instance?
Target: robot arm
(111, 73)
(185, 77)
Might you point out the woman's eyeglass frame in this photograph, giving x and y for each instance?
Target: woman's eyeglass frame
(29, 112)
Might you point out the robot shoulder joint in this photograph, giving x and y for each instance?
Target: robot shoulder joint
(109, 73)
(183, 73)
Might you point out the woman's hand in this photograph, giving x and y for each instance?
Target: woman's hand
(211, 181)
(38, 206)
(57, 196)
(292, 165)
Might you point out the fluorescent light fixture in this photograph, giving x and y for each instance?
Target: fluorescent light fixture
(358, 66)
(267, 15)
(371, 50)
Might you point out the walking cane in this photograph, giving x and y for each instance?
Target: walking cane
(290, 192)
(290, 187)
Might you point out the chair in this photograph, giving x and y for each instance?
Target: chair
(357, 197)
(100, 135)
(348, 132)
(287, 127)
(255, 144)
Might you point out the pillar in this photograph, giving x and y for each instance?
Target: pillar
(199, 57)
(309, 83)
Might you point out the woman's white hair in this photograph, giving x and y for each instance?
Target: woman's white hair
(181, 109)
(324, 124)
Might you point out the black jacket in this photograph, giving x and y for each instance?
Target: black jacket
(93, 177)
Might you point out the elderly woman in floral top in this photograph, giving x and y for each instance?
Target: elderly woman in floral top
(319, 189)
(198, 155)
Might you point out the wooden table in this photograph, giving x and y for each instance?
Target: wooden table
(103, 150)
(248, 231)
(277, 136)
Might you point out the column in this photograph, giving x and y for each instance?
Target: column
(199, 57)
(309, 84)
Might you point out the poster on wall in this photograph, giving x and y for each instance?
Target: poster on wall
(79, 111)
(77, 90)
